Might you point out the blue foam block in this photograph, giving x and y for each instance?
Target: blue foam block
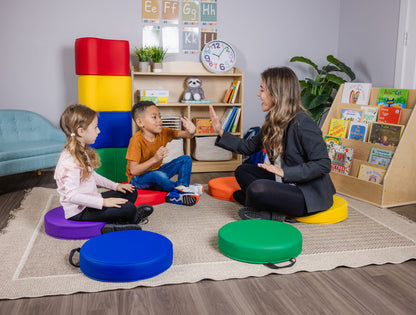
(115, 130)
(126, 256)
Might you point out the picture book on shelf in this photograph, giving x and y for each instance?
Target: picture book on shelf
(385, 134)
(380, 157)
(330, 141)
(358, 131)
(393, 97)
(341, 159)
(389, 115)
(369, 114)
(356, 93)
(231, 94)
(371, 174)
(338, 128)
(351, 114)
(203, 125)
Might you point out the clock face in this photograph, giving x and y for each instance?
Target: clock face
(218, 56)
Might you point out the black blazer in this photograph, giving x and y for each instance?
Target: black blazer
(304, 159)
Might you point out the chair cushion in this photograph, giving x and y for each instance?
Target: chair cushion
(126, 256)
(57, 226)
(260, 241)
(223, 187)
(337, 213)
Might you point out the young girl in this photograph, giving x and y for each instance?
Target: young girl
(296, 182)
(77, 181)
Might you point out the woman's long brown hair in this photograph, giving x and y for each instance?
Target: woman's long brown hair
(77, 116)
(283, 86)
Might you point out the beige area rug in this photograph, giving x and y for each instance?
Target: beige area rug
(34, 264)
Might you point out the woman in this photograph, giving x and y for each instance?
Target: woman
(295, 182)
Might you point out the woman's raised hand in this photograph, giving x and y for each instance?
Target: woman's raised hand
(215, 121)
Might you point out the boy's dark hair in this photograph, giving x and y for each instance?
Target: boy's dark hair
(139, 108)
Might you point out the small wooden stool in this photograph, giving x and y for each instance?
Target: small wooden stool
(337, 213)
(223, 187)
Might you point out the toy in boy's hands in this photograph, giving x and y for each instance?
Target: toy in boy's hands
(194, 91)
(188, 125)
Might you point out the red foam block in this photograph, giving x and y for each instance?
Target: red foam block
(97, 56)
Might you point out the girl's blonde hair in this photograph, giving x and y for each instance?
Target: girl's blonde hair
(283, 86)
(77, 116)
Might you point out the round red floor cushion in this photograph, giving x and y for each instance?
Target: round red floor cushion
(223, 187)
(150, 197)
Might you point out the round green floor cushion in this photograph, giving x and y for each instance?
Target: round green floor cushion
(260, 241)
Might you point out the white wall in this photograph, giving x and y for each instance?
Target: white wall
(368, 39)
(37, 40)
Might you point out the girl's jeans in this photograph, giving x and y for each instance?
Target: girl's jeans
(160, 179)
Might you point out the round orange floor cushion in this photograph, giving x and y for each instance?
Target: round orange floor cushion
(223, 187)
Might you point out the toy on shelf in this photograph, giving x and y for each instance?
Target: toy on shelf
(194, 91)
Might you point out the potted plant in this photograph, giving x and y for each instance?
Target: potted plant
(144, 55)
(158, 54)
(318, 92)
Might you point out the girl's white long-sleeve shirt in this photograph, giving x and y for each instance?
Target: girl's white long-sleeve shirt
(76, 195)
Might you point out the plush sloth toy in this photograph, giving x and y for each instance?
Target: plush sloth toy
(194, 90)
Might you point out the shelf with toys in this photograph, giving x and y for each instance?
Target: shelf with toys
(396, 187)
(215, 86)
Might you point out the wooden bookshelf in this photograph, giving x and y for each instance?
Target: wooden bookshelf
(398, 186)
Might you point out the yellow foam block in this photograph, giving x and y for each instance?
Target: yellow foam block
(104, 93)
(337, 213)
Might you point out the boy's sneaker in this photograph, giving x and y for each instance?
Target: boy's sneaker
(178, 197)
(143, 211)
(114, 227)
(196, 189)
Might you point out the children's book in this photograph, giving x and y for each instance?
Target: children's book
(338, 128)
(229, 122)
(341, 159)
(369, 114)
(393, 97)
(330, 141)
(380, 157)
(351, 114)
(236, 83)
(385, 134)
(356, 93)
(358, 131)
(389, 115)
(237, 117)
(203, 125)
(226, 116)
(371, 174)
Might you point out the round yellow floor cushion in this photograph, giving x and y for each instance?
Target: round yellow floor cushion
(337, 213)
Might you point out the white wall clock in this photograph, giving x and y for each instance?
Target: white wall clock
(218, 56)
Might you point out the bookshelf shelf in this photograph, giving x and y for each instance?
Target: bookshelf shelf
(215, 86)
(398, 186)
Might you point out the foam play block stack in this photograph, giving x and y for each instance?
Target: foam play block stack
(104, 85)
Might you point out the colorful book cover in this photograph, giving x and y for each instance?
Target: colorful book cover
(385, 134)
(330, 141)
(369, 114)
(380, 157)
(236, 83)
(358, 131)
(356, 93)
(393, 97)
(237, 118)
(155, 99)
(371, 174)
(230, 120)
(351, 114)
(338, 128)
(341, 159)
(203, 125)
(389, 115)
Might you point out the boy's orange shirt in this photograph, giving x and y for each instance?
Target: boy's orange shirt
(140, 149)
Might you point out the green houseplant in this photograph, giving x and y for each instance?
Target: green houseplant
(158, 54)
(144, 56)
(318, 92)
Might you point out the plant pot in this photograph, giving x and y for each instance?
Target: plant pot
(157, 67)
(143, 66)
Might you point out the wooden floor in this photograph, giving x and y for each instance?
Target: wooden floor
(386, 289)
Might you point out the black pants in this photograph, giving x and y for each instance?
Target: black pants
(126, 214)
(264, 193)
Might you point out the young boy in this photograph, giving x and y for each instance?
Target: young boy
(147, 149)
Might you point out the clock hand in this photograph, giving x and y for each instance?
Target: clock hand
(221, 53)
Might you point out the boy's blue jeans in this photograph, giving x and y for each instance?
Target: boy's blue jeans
(160, 179)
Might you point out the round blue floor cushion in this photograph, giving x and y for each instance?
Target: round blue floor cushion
(260, 241)
(124, 256)
(57, 226)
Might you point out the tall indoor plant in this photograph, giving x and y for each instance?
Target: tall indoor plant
(318, 92)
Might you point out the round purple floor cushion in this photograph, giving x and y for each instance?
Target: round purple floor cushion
(57, 226)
